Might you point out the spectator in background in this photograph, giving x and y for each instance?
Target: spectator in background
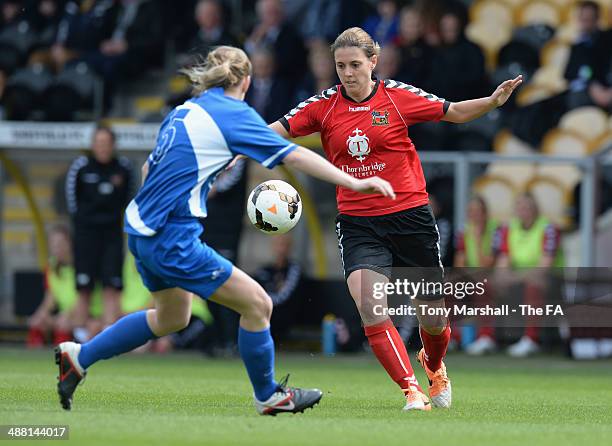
(98, 188)
(474, 249)
(320, 20)
(44, 16)
(321, 71)
(389, 61)
(415, 54)
(273, 31)
(529, 243)
(53, 314)
(600, 89)
(11, 13)
(583, 57)
(585, 73)
(456, 55)
(84, 26)
(211, 28)
(269, 94)
(383, 26)
(281, 279)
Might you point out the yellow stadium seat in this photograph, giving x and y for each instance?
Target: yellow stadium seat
(552, 198)
(556, 53)
(517, 173)
(498, 193)
(505, 143)
(610, 123)
(589, 122)
(565, 143)
(566, 174)
(530, 94)
(538, 12)
(490, 36)
(496, 11)
(603, 142)
(550, 77)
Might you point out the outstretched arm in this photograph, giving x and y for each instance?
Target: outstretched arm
(315, 165)
(466, 111)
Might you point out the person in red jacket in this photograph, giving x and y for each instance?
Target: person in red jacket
(363, 124)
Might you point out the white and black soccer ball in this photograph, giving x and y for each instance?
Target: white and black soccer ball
(274, 207)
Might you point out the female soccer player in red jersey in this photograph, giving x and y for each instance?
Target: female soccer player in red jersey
(363, 125)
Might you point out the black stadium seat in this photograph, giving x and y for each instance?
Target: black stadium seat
(525, 46)
(16, 43)
(72, 90)
(24, 93)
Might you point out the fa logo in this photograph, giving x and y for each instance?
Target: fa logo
(358, 145)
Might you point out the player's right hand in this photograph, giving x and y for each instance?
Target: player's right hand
(374, 185)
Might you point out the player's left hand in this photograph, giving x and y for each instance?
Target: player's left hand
(505, 89)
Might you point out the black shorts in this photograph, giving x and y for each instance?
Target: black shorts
(98, 256)
(403, 239)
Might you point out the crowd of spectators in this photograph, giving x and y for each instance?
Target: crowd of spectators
(56, 47)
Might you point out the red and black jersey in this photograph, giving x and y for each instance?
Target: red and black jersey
(370, 138)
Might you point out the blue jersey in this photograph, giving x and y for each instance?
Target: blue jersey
(196, 141)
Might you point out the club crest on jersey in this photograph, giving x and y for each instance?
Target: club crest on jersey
(358, 145)
(380, 117)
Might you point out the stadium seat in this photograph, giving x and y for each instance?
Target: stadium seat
(490, 36)
(525, 47)
(589, 122)
(16, 43)
(550, 77)
(531, 93)
(542, 12)
(517, 173)
(24, 92)
(553, 199)
(73, 89)
(506, 143)
(498, 193)
(565, 143)
(566, 174)
(495, 11)
(555, 52)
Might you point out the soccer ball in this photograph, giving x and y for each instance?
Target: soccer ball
(274, 207)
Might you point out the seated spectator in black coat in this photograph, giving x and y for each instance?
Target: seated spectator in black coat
(273, 31)
(600, 89)
(458, 66)
(84, 26)
(211, 28)
(415, 53)
(134, 43)
(583, 55)
(389, 61)
(269, 93)
(321, 72)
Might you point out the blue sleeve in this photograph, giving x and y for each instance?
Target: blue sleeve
(249, 135)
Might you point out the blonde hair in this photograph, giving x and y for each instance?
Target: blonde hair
(356, 37)
(224, 66)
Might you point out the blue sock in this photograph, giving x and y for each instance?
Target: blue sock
(257, 352)
(126, 334)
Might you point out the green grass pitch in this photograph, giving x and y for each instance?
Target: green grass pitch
(185, 399)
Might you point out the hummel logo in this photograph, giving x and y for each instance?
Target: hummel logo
(359, 109)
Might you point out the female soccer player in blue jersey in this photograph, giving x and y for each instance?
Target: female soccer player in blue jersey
(196, 141)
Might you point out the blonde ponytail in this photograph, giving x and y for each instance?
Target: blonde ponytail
(224, 66)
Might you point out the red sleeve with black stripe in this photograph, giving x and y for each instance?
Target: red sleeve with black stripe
(415, 105)
(308, 115)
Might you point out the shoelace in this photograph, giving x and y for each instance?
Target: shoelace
(282, 384)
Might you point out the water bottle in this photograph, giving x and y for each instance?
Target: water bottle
(328, 334)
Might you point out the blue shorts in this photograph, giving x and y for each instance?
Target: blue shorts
(175, 257)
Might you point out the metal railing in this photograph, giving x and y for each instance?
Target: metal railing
(590, 167)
